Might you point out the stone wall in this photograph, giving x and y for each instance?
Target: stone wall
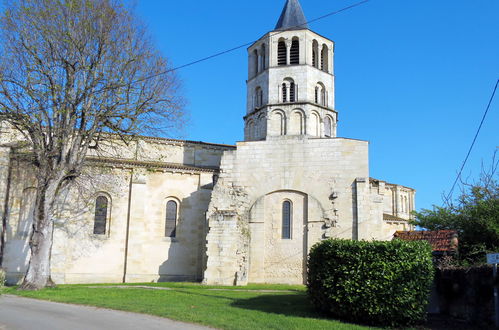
(137, 179)
(327, 180)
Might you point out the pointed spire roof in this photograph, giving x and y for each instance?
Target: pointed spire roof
(292, 17)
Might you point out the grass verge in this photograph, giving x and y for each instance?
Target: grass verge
(215, 306)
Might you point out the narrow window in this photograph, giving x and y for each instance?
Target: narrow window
(323, 97)
(292, 92)
(316, 94)
(255, 62)
(295, 52)
(250, 130)
(281, 53)
(327, 126)
(315, 54)
(324, 58)
(258, 97)
(171, 219)
(264, 58)
(284, 93)
(286, 220)
(314, 125)
(100, 218)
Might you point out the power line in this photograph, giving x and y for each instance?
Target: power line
(227, 50)
(252, 42)
(474, 140)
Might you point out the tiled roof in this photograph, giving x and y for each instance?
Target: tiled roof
(391, 217)
(440, 240)
(292, 17)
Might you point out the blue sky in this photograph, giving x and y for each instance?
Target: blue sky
(412, 77)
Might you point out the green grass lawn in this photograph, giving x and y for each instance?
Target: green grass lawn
(219, 307)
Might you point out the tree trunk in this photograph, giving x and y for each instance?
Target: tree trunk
(38, 274)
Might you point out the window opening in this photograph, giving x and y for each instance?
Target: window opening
(255, 62)
(264, 58)
(295, 52)
(292, 92)
(327, 127)
(286, 220)
(281, 53)
(171, 219)
(100, 218)
(324, 58)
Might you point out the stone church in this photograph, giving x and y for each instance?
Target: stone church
(172, 210)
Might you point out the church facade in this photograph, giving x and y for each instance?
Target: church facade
(166, 210)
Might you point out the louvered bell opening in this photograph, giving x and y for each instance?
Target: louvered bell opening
(292, 92)
(295, 52)
(281, 53)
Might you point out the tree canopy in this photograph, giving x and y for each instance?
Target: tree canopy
(475, 215)
(72, 71)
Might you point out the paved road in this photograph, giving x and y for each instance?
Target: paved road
(18, 313)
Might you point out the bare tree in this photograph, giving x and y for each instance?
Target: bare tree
(71, 73)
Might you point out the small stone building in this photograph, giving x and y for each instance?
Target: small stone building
(444, 243)
(164, 210)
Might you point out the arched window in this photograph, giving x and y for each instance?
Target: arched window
(320, 94)
(294, 55)
(286, 219)
(284, 93)
(171, 218)
(100, 217)
(315, 54)
(314, 124)
(258, 97)
(277, 123)
(263, 58)
(281, 53)
(324, 58)
(292, 92)
(328, 132)
(296, 123)
(250, 130)
(255, 62)
(261, 125)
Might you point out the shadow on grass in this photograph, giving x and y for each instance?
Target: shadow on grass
(296, 305)
(289, 305)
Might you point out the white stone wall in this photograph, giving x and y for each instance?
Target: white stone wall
(137, 179)
(328, 182)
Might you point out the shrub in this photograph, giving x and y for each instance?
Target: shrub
(380, 283)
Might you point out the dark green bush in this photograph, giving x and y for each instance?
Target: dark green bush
(379, 283)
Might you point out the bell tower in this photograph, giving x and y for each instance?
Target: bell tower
(290, 87)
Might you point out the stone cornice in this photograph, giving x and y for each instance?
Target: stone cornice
(296, 104)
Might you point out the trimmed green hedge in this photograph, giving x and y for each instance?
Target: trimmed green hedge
(379, 283)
